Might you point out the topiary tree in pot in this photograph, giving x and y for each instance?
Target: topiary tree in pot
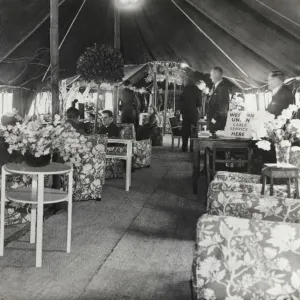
(101, 64)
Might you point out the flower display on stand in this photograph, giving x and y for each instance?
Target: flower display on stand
(283, 131)
(38, 140)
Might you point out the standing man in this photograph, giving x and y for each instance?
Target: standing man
(218, 104)
(282, 96)
(127, 107)
(190, 99)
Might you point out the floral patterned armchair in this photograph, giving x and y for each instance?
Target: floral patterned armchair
(88, 178)
(237, 177)
(250, 206)
(248, 188)
(142, 151)
(242, 259)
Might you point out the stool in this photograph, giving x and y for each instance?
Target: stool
(37, 196)
(273, 171)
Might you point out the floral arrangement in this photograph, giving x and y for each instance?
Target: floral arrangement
(283, 130)
(101, 64)
(40, 139)
(176, 75)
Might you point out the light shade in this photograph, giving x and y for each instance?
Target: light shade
(128, 4)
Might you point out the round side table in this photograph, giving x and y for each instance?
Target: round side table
(37, 196)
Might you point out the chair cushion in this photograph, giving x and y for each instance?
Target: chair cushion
(250, 206)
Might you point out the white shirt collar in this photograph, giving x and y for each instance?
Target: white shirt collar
(275, 91)
(216, 84)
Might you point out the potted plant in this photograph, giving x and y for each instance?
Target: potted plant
(101, 64)
(38, 141)
(282, 131)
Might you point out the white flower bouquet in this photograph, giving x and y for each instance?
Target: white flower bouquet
(34, 138)
(283, 131)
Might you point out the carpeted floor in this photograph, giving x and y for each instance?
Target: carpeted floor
(135, 245)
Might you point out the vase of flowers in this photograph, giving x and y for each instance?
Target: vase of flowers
(38, 141)
(282, 131)
(283, 152)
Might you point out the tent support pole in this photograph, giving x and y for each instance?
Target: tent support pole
(117, 42)
(54, 53)
(166, 98)
(155, 84)
(174, 102)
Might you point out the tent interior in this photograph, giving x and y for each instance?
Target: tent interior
(247, 39)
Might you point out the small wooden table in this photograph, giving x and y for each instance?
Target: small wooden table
(201, 143)
(274, 171)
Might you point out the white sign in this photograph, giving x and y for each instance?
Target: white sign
(238, 124)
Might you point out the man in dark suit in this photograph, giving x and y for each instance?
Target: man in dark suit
(127, 104)
(282, 96)
(190, 99)
(218, 104)
(109, 127)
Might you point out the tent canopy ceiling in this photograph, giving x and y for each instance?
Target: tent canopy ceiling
(247, 38)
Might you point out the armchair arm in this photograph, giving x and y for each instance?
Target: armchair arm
(128, 144)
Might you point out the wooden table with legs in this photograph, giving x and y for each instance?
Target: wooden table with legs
(38, 196)
(201, 143)
(274, 171)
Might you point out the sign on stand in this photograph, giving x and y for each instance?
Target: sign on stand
(239, 124)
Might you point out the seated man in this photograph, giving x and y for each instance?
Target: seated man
(108, 128)
(73, 119)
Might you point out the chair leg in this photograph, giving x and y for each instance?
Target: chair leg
(2, 208)
(207, 169)
(33, 210)
(172, 143)
(70, 207)
(128, 174)
(40, 215)
(178, 142)
(33, 224)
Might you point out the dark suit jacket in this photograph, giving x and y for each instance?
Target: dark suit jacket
(190, 98)
(217, 108)
(281, 101)
(112, 131)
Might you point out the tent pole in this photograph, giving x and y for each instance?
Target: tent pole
(174, 103)
(117, 42)
(166, 97)
(54, 53)
(155, 85)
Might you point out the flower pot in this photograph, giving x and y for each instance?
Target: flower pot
(282, 154)
(33, 161)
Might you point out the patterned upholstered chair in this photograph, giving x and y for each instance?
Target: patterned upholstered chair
(246, 259)
(248, 188)
(250, 206)
(88, 178)
(142, 151)
(237, 177)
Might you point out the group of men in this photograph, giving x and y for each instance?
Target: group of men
(218, 105)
